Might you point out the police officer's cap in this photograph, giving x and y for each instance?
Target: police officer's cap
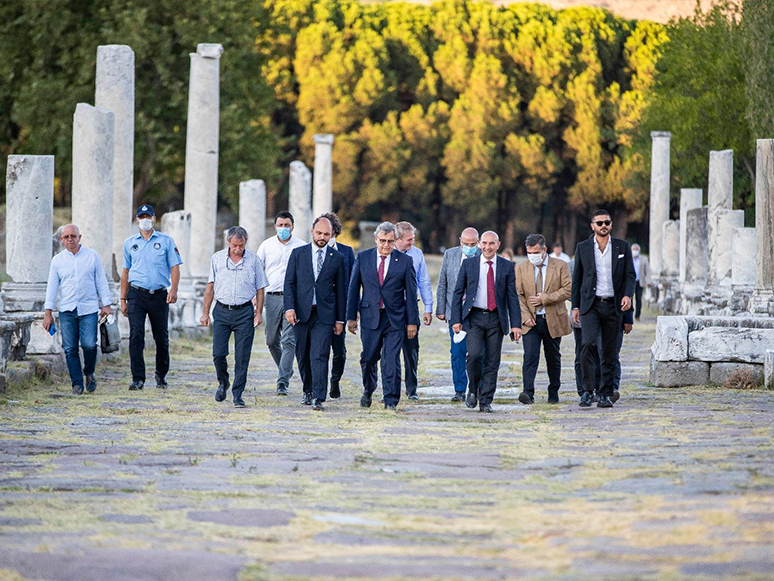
(146, 209)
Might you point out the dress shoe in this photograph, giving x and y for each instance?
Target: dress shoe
(604, 402)
(485, 407)
(91, 383)
(282, 390)
(391, 406)
(458, 396)
(525, 398)
(335, 390)
(135, 385)
(365, 400)
(317, 405)
(307, 399)
(413, 397)
(586, 399)
(77, 389)
(239, 403)
(553, 398)
(220, 395)
(161, 382)
(471, 400)
(616, 396)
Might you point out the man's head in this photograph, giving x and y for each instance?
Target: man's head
(146, 217)
(635, 250)
(283, 224)
(335, 223)
(557, 248)
(406, 234)
(469, 241)
(322, 230)
(601, 223)
(237, 239)
(70, 237)
(536, 248)
(490, 244)
(385, 236)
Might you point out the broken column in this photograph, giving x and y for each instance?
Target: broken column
(762, 301)
(185, 314)
(720, 194)
(659, 196)
(696, 261)
(201, 155)
(689, 199)
(252, 212)
(323, 174)
(300, 204)
(670, 265)
(743, 259)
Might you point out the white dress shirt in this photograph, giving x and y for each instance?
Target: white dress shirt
(603, 261)
(480, 302)
(275, 256)
(560, 256)
(386, 263)
(80, 280)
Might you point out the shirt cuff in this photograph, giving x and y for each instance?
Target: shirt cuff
(429, 308)
(339, 322)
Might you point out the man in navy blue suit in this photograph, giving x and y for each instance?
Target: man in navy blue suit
(338, 343)
(386, 277)
(315, 304)
(486, 306)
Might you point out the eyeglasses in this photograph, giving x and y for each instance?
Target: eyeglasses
(231, 266)
(68, 236)
(383, 242)
(603, 222)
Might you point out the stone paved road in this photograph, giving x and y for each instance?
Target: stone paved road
(670, 484)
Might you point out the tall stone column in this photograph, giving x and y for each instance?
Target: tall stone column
(720, 195)
(696, 261)
(252, 212)
(201, 154)
(689, 199)
(762, 301)
(115, 92)
(92, 197)
(659, 195)
(301, 199)
(323, 174)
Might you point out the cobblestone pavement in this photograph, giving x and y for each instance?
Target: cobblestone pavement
(669, 484)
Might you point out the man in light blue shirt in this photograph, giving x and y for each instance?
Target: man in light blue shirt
(77, 276)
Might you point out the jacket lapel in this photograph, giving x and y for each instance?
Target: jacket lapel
(550, 271)
(393, 259)
(614, 248)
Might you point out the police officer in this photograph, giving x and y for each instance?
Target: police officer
(151, 264)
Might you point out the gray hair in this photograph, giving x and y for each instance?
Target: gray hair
(386, 227)
(236, 232)
(637, 245)
(404, 228)
(535, 240)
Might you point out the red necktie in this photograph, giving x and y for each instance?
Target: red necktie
(491, 304)
(381, 278)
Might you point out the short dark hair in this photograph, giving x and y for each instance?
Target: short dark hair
(236, 232)
(600, 212)
(335, 222)
(535, 240)
(557, 244)
(323, 217)
(284, 214)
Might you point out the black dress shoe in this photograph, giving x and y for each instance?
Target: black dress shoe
(586, 399)
(220, 395)
(307, 399)
(458, 396)
(282, 390)
(135, 385)
(471, 400)
(413, 397)
(161, 382)
(553, 398)
(91, 383)
(335, 390)
(239, 403)
(604, 402)
(525, 398)
(616, 396)
(485, 407)
(365, 400)
(317, 405)
(391, 406)
(78, 389)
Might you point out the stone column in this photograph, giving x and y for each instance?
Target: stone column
(252, 212)
(743, 257)
(301, 199)
(689, 199)
(178, 226)
(186, 312)
(696, 260)
(367, 228)
(201, 154)
(92, 197)
(726, 222)
(115, 92)
(720, 195)
(659, 195)
(763, 298)
(670, 265)
(323, 174)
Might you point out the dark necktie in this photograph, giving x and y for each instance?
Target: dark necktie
(491, 304)
(381, 278)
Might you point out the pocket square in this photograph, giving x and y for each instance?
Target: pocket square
(620, 256)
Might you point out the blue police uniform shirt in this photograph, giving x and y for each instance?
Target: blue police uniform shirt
(149, 261)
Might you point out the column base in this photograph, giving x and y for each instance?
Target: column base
(23, 296)
(762, 302)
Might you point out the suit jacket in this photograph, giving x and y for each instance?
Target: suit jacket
(447, 280)
(349, 260)
(644, 271)
(557, 288)
(584, 277)
(506, 299)
(399, 282)
(300, 285)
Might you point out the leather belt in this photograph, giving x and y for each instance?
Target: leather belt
(478, 310)
(275, 293)
(234, 307)
(145, 290)
(605, 299)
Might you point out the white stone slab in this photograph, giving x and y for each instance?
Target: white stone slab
(729, 344)
(671, 342)
(768, 369)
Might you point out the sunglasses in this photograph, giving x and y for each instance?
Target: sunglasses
(603, 222)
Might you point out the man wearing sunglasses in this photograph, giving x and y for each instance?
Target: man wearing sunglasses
(602, 288)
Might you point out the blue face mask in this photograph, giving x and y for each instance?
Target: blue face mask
(283, 233)
(469, 250)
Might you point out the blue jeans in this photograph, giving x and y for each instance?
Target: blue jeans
(459, 353)
(77, 329)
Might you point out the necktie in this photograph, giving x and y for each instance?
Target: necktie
(381, 278)
(539, 280)
(320, 257)
(491, 304)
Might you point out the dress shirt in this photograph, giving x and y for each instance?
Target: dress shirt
(560, 256)
(315, 250)
(236, 283)
(543, 268)
(386, 263)
(149, 261)
(275, 256)
(636, 268)
(604, 265)
(424, 287)
(480, 302)
(81, 281)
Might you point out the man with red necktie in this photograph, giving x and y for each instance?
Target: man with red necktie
(486, 306)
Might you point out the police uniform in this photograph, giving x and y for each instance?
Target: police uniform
(149, 263)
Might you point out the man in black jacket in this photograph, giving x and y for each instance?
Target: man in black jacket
(602, 289)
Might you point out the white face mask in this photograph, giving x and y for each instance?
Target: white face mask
(635, 253)
(535, 259)
(146, 224)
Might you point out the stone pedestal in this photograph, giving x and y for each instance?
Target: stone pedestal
(743, 266)
(689, 200)
(115, 92)
(301, 200)
(670, 265)
(696, 261)
(718, 291)
(763, 298)
(659, 195)
(768, 369)
(201, 155)
(367, 228)
(252, 212)
(323, 174)
(720, 195)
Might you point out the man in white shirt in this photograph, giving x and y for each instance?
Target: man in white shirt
(274, 253)
(558, 252)
(76, 274)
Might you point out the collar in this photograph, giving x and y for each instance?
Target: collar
(484, 259)
(608, 245)
(80, 247)
(154, 232)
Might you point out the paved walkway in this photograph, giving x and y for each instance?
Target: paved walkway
(669, 484)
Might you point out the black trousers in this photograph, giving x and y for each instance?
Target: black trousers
(597, 368)
(531, 341)
(240, 323)
(601, 319)
(485, 338)
(637, 300)
(339, 348)
(410, 348)
(140, 304)
(390, 339)
(313, 348)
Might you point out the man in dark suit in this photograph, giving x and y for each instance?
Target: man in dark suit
(338, 343)
(315, 304)
(486, 306)
(386, 277)
(602, 288)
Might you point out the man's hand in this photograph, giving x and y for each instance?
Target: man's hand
(626, 303)
(172, 297)
(535, 301)
(106, 310)
(441, 317)
(124, 308)
(457, 328)
(576, 316)
(338, 328)
(516, 332)
(258, 318)
(528, 323)
(352, 326)
(205, 320)
(411, 331)
(48, 320)
(627, 328)
(290, 316)
(427, 318)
